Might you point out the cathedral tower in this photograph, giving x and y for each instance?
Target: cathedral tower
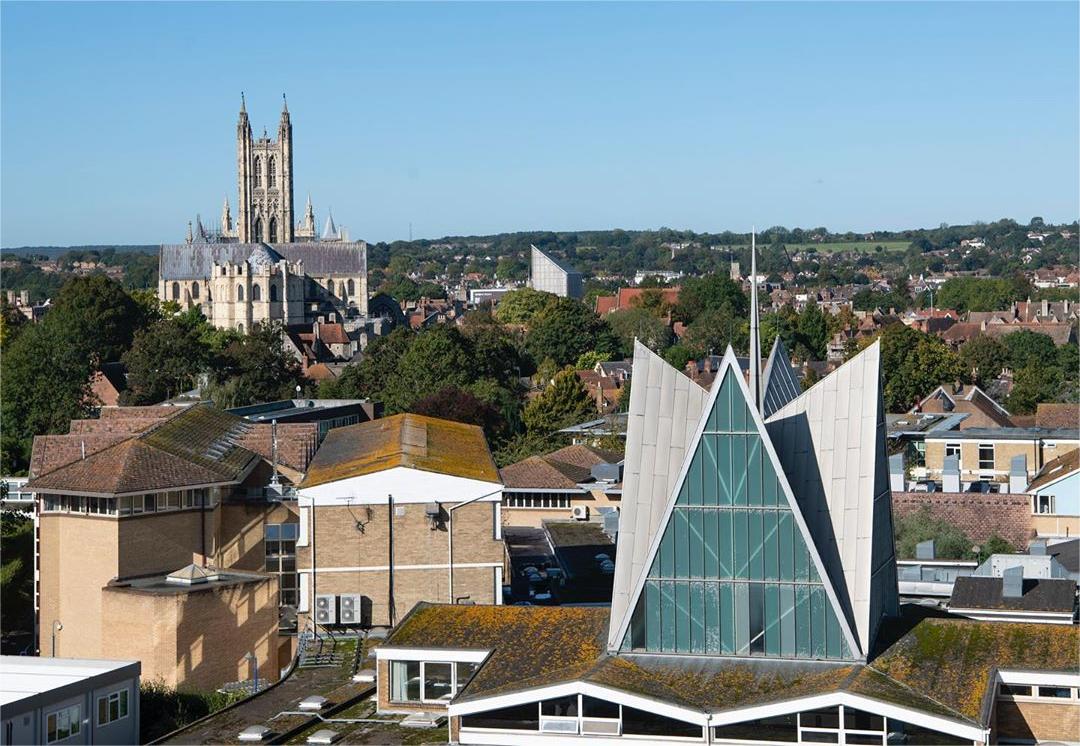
(264, 182)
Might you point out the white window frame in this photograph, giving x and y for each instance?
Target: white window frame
(122, 697)
(1050, 501)
(444, 700)
(73, 714)
(979, 459)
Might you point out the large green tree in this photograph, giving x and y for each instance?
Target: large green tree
(97, 315)
(521, 305)
(563, 403)
(714, 329)
(438, 357)
(1033, 383)
(1023, 346)
(565, 329)
(983, 358)
(642, 324)
(913, 364)
(378, 366)
(812, 333)
(256, 368)
(711, 292)
(165, 359)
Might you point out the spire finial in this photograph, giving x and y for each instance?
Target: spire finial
(755, 324)
(243, 104)
(284, 104)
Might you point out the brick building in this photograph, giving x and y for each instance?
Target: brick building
(127, 502)
(546, 487)
(394, 511)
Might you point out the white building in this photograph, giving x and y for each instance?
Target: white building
(549, 275)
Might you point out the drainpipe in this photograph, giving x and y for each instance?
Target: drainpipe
(390, 563)
(450, 537)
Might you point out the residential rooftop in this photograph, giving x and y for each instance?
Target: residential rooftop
(1010, 433)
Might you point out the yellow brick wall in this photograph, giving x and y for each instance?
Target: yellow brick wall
(78, 556)
(1041, 721)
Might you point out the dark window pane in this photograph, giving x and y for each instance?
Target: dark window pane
(641, 723)
(858, 739)
(826, 717)
(813, 737)
(779, 728)
(757, 619)
(520, 717)
(560, 707)
(858, 720)
(1014, 690)
(591, 707)
(1063, 692)
(914, 735)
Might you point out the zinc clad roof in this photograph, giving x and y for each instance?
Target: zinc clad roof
(406, 440)
(779, 383)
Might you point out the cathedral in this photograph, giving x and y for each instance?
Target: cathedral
(263, 266)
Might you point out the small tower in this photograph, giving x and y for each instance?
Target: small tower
(226, 220)
(264, 182)
(306, 230)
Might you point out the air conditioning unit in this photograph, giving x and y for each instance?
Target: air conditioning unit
(350, 608)
(326, 609)
(580, 513)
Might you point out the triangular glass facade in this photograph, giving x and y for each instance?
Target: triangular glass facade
(733, 575)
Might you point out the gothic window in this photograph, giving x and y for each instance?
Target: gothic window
(256, 292)
(195, 291)
(239, 292)
(258, 229)
(240, 328)
(330, 286)
(273, 228)
(176, 291)
(258, 172)
(352, 288)
(271, 172)
(273, 293)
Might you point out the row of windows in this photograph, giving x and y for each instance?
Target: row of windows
(1038, 692)
(582, 714)
(271, 171)
(428, 681)
(536, 500)
(832, 725)
(985, 459)
(129, 505)
(723, 618)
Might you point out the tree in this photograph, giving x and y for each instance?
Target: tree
(589, 360)
(711, 292)
(978, 294)
(950, 541)
(438, 357)
(812, 332)
(44, 384)
(565, 329)
(563, 403)
(983, 358)
(256, 368)
(642, 324)
(378, 366)
(97, 316)
(12, 321)
(677, 356)
(165, 359)
(520, 306)
(713, 330)
(1022, 346)
(780, 324)
(913, 364)
(1035, 382)
(453, 403)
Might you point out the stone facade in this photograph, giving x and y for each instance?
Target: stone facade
(979, 515)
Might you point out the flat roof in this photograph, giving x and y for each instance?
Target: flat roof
(25, 676)
(1009, 433)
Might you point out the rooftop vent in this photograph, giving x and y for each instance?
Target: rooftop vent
(324, 736)
(1012, 582)
(192, 575)
(314, 703)
(254, 733)
(924, 550)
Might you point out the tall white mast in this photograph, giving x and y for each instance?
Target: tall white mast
(755, 324)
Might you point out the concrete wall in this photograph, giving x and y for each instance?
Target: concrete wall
(979, 515)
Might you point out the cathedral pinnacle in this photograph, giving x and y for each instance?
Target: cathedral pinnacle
(284, 104)
(243, 104)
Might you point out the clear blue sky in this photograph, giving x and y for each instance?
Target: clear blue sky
(118, 120)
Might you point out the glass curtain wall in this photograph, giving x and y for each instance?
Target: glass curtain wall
(733, 575)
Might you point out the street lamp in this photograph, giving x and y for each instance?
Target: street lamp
(56, 627)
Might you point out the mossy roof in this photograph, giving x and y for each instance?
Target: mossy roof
(408, 440)
(195, 446)
(943, 667)
(953, 660)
